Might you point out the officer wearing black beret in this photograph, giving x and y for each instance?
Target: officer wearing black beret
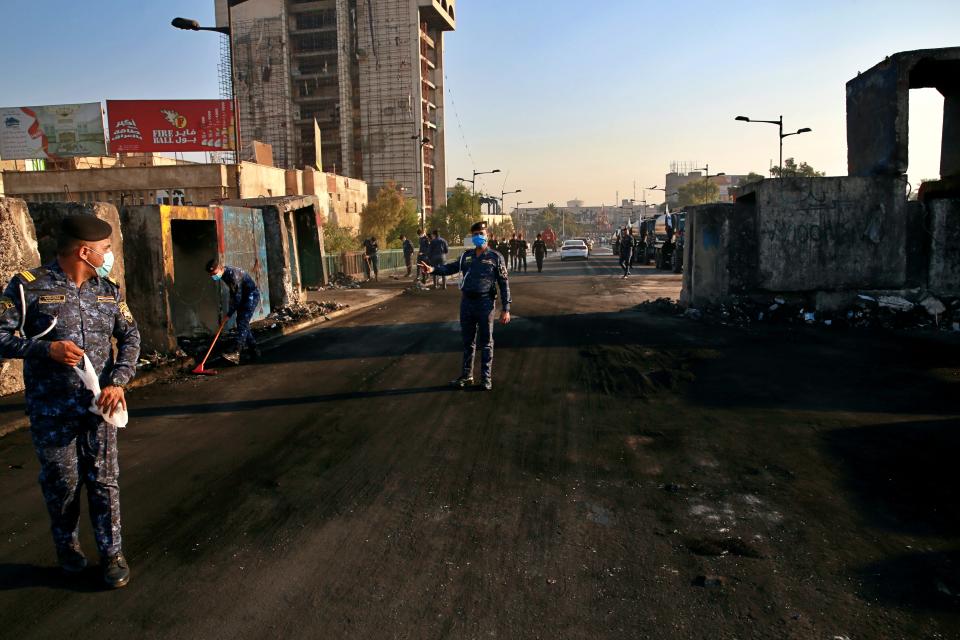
(484, 271)
(51, 317)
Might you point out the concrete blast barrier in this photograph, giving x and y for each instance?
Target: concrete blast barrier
(47, 216)
(18, 251)
(804, 235)
(293, 229)
(170, 293)
(944, 273)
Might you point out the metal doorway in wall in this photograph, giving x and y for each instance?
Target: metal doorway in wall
(194, 299)
(308, 247)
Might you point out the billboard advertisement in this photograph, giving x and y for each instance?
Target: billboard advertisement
(52, 131)
(140, 126)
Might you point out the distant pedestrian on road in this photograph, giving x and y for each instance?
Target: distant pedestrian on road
(407, 253)
(626, 250)
(483, 272)
(438, 255)
(423, 254)
(512, 250)
(244, 299)
(372, 258)
(539, 252)
(522, 247)
(55, 318)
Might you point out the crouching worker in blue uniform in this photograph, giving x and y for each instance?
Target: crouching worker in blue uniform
(244, 299)
(51, 317)
(484, 271)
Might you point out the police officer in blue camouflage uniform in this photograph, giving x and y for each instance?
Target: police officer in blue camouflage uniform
(244, 299)
(50, 317)
(484, 270)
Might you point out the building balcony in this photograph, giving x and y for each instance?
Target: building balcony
(439, 14)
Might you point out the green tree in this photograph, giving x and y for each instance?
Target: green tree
(407, 226)
(750, 179)
(699, 191)
(455, 219)
(337, 239)
(792, 170)
(382, 216)
(501, 229)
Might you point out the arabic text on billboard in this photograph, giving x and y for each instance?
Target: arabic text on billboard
(170, 125)
(51, 131)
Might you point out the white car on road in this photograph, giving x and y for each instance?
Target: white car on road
(574, 249)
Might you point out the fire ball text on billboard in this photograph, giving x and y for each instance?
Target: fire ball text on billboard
(51, 132)
(138, 126)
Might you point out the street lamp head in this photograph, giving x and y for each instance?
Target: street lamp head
(804, 130)
(653, 187)
(717, 175)
(462, 180)
(495, 171)
(742, 118)
(185, 23)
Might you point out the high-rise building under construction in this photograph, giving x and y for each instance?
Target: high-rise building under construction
(361, 80)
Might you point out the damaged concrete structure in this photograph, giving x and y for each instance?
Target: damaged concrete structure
(293, 229)
(168, 289)
(827, 239)
(46, 220)
(18, 251)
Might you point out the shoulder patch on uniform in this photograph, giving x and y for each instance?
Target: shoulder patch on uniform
(58, 299)
(26, 275)
(112, 281)
(125, 312)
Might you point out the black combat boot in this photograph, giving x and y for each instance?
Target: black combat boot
(116, 572)
(462, 382)
(71, 558)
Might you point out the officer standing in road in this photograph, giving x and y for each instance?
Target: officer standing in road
(627, 243)
(244, 300)
(512, 250)
(522, 247)
(51, 317)
(483, 272)
(407, 253)
(539, 252)
(438, 255)
(423, 254)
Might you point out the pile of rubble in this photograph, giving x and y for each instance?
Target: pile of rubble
(416, 287)
(299, 312)
(150, 361)
(924, 311)
(341, 280)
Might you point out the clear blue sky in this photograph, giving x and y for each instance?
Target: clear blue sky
(573, 99)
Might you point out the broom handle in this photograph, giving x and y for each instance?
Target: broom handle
(214, 341)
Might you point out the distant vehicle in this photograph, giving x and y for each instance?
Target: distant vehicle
(574, 250)
(549, 238)
(646, 250)
(668, 241)
(588, 242)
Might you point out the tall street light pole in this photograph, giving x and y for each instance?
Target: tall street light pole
(421, 141)
(779, 123)
(480, 173)
(192, 25)
(503, 202)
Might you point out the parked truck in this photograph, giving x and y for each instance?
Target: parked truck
(549, 239)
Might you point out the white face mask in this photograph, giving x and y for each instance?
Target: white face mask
(103, 270)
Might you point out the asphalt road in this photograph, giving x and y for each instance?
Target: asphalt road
(631, 476)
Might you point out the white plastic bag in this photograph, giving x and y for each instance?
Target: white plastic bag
(89, 378)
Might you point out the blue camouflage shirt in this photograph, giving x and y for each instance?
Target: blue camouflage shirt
(481, 274)
(241, 286)
(88, 315)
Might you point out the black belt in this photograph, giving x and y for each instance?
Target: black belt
(479, 295)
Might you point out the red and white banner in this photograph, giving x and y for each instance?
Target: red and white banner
(137, 126)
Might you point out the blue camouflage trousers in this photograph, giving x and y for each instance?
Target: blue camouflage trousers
(245, 311)
(476, 326)
(74, 452)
